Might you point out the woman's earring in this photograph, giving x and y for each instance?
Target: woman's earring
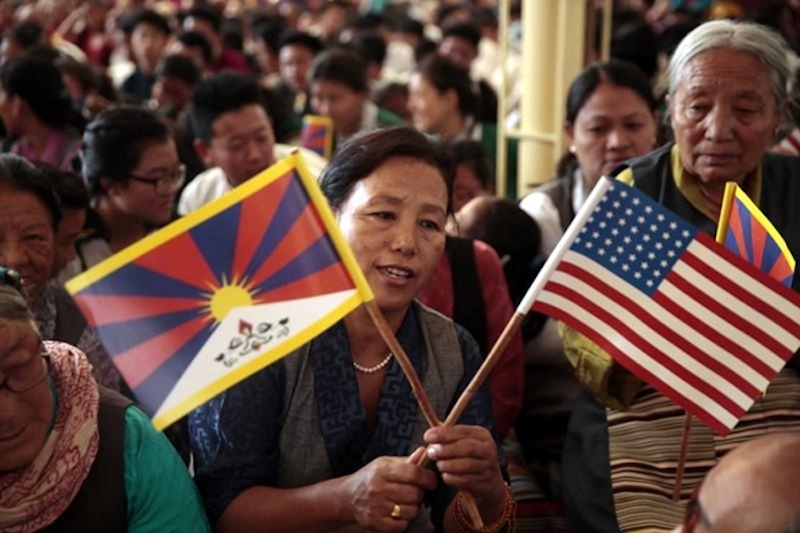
(572, 148)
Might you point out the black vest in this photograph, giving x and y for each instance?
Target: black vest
(780, 192)
(101, 504)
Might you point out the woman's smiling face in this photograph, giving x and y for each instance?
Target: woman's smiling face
(394, 222)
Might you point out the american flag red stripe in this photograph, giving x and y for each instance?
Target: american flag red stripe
(621, 327)
(654, 319)
(691, 318)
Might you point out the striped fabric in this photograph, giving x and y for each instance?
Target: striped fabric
(536, 513)
(791, 143)
(645, 441)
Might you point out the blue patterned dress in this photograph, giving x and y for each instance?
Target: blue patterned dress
(236, 437)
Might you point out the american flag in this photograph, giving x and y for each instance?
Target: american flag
(700, 324)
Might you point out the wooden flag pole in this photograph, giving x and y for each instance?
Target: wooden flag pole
(687, 428)
(527, 301)
(485, 369)
(474, 385)
(386, 332)
(405, 363)
(722, 230)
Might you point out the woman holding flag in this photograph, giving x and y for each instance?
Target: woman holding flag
(727, 97)
(330, 437)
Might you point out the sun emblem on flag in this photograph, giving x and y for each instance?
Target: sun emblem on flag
(227, 296)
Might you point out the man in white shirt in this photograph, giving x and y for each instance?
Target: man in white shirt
(234, 138)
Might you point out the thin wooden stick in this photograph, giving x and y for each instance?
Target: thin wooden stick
(419, 392)
(481, 375)
(486, 368)
(687, 427)
(405, 363)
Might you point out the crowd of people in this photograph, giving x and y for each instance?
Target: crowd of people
(120, 117)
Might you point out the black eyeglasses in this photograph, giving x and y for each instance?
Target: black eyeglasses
(27, 377)
(167, 183)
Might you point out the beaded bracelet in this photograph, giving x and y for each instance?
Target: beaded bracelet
(505, 522)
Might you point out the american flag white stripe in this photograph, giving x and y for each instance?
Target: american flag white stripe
(679, 373)
(724, 336)
(774, 296)
(692, 301)
(668, 324)
(602, 328)
(656, 325)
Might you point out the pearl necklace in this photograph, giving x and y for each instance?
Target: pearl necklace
(373, 369)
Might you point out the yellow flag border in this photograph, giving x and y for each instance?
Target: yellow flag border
(733, 191)
(293, 162)
(328, 123)
(240, 373)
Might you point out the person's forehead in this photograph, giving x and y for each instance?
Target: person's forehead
(15, 334)
(146, 27)
(246, 119)
(726, 69)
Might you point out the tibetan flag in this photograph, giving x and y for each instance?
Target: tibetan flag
(223, 292)
(683, 313)
(317, 135)
(745, 230)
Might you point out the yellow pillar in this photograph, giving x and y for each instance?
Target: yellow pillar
(552, 55)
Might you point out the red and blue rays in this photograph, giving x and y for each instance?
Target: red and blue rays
(156, 312)
(751, 235)
(317, 135)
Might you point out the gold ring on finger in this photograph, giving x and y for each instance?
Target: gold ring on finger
(396, 511)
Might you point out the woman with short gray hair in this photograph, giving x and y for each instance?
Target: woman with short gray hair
(727, 97)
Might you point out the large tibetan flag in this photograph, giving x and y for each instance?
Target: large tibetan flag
(683, 313)
(223, 292)
(317, 135)
(745, 230)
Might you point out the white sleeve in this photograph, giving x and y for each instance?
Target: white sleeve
(541, 208)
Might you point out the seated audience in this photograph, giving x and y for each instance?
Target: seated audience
(208, 21)
(196, 46)
(443, 102)
(19, 39)
(340, 91)
(296, 53)
(37, 112)
(131, 165)
(74, 200)
(75, 456)
(263, 450)
(176, 77)
(612, 482)
(474, 172)
(459, 44)
(30, 215)
(234, 138)
(149, 34)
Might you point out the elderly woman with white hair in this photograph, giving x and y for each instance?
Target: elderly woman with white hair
(727, 97)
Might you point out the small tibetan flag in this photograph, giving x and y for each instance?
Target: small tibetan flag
(747, 232)
(223, 292)
(317, 135)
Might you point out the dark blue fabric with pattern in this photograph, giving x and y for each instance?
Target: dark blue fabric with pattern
(235, 436)
(341, 413)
